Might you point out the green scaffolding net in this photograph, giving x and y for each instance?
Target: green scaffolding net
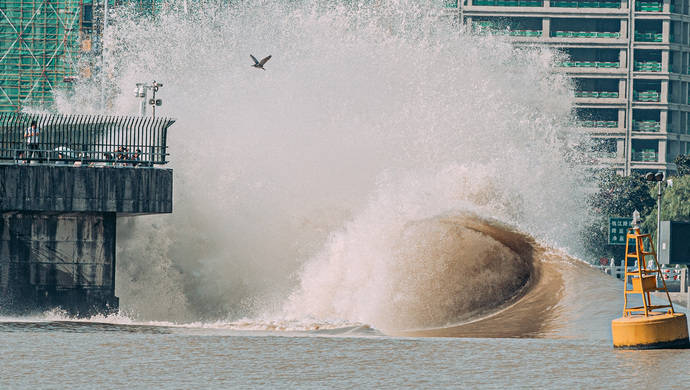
(41, 42)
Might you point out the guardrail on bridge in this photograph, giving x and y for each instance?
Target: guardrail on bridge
(122, 140)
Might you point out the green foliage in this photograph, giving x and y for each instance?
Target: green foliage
(675, 204)
(616, 196)
(682, 161)
(619, 196)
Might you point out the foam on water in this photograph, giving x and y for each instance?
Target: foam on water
(302, 192)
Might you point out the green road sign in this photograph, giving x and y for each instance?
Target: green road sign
(618, 228)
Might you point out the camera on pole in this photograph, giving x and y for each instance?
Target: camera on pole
(141, 92)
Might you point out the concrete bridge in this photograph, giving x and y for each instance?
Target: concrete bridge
(58, 217)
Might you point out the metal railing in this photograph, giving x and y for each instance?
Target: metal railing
(85, 138)
(596, 94)
(600, 124)
(647, 125)
(645, 155)
(589, 64)
(677, 275)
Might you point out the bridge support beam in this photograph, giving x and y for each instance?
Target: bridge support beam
(58, 233)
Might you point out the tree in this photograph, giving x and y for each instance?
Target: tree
(682, 161)
(675, 204)
(616, 196)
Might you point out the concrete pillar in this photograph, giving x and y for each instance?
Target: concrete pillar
(54, 260)
(666, 30)
(624, 29)
(57, 232)
(663, 120)
(621, 119)
(664, 91)
(620, 149)
(621, 88)
(662, 150)
(623, 58)
(665, 66)
(546, 28)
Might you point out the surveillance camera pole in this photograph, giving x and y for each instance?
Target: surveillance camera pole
(154, 88)
(142, 92)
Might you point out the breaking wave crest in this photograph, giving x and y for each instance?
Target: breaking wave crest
(388, 169)
(431, 273)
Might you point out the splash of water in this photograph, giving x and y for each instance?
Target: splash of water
(312, 177)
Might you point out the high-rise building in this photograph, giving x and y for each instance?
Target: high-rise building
(45, 44)
(630, 61)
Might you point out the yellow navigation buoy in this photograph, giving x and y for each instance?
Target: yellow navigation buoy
(644, 327)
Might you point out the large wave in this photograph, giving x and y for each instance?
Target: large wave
(346, 181)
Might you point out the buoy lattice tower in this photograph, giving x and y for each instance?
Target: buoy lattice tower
(647, 326)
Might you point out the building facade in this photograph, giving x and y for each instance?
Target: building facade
(630, 61)
(46, 44)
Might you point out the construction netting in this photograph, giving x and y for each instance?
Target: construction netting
(41, 43)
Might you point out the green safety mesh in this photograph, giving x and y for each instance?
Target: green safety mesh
(40, 45)
(39, 41)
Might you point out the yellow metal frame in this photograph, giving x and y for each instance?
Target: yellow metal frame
(643, 280)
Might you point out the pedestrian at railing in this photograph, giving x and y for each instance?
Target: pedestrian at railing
(31, 134)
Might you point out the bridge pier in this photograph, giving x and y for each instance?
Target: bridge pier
(58, 232)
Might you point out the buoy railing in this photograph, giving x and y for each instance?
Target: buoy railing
(643, 280)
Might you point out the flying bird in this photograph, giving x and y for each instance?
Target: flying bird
(260, 64)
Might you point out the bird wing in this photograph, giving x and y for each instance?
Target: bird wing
(265, 60)
(256, 62)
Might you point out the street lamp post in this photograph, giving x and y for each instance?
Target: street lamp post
(658, 178)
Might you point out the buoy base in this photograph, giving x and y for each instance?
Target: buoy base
(656, 331)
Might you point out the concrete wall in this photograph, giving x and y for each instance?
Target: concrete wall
(57, 232)
(65, 261)
(68, 189)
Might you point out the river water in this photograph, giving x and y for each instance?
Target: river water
(94, 355)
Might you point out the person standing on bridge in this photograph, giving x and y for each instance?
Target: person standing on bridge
(31, 136)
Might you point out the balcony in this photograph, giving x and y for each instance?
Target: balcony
(485, 25)
(646, 126)
(589, 64)
(649, 37)
(646, 96)
(600, 124)
(523, 33)
(647, 6)
(585, 34)
(645, 155)
(647, 66)
(586, 4)
(596, 94)
(513, 3)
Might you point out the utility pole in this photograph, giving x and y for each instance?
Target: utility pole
(141, 91)
(658, 178)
